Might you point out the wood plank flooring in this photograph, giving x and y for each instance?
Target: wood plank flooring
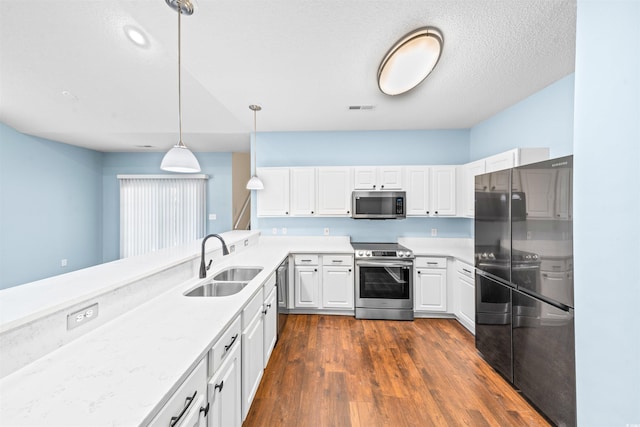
(340, 371)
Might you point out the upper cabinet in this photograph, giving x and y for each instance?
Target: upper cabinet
(377, 178)
(335, 185)
(274, 199)
(431, 190)
(303, 192)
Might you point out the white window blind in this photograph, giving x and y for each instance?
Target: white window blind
(160, 211)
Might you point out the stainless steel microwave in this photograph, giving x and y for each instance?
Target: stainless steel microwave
(378, 205)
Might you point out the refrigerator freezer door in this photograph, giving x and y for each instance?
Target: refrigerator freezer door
(544, 357)
(493, 324)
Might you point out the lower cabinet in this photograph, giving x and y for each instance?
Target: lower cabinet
(270, 323)
(430, 284)
(466, 295)
(324, 282)
(224, 390)
(252, 350)
(188, 405)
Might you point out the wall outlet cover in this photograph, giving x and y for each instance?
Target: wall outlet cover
(326, 231)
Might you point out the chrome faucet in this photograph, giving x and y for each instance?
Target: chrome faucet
(225, 251)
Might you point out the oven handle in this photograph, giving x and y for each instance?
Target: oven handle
(383, 264)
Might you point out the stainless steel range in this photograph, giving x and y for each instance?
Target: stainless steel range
(384, 281)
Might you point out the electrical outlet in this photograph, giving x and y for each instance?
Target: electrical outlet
(212, 217)
(326, 231)
(434, 232)
(232, 249)
(284, 230)
(274, 230)
(63, 262)
(246, 242)
(84, 315)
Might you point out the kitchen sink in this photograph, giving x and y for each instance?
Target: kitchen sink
(216, 289)
(237, 274)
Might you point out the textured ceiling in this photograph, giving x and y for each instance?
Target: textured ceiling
(304, 61)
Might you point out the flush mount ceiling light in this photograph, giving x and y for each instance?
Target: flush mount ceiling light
(255, 183)
(180, 158)
(410, 61)
(136, 36)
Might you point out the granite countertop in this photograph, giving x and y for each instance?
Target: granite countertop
(124, 371)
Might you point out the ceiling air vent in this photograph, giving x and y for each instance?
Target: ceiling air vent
(360, 107)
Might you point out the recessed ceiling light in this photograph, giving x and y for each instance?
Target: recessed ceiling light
(136, 36)
(410, 61)
(361, 107)
(144, 146)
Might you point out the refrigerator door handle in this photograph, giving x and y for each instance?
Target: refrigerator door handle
(547, 300)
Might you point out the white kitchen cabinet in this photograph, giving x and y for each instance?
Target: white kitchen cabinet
(307, 286)
(430, 279)
(377, 178)
(431, 190)
(564, 197)
(303, 191)
(270, 312)
(335, 185)
(417, 201)
(225, 391)
(443, 190)
(337, 282)
(252, 350)
(467, 188)
(465, 293)
(273, 200)
(188, 404)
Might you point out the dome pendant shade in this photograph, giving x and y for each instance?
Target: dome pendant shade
(255, 183)
(410, 61)
(180, 159)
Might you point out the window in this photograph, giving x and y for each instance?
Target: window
(160, 211)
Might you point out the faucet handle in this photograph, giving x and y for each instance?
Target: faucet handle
(209, 265)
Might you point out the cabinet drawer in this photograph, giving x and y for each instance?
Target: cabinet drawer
(430, 262)
(306, 259)
(270, 283)
(252, 309)
(225, 344)
(190, 394)
(465, 269)
(328, 260)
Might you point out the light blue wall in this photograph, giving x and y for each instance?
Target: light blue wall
(216, 165)
(426, 147)
(545, 119)
(50, 207)
(607, 212)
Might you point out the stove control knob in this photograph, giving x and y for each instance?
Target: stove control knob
(360, 253)
(492, 256)
(367, 253)
(534, 256)
(484, 255)
(408, 254)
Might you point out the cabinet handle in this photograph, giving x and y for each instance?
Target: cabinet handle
(436, 212)
(228, 346)
(419, 272)
(427, 212)
(374, 186)
(205, 409)
(431, 263)
(311, 212)
(286, 213)
(337, 260)
(265, 311)
(349, 270)
(315, 269)
(382, 187)
(466, 271)
(187, 403)
(305, 260)
(219, 386)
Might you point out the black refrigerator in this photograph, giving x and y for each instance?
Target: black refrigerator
(524, 282)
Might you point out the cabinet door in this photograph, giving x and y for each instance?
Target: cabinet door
(389, 178)
(364, 178)
(225, 397)
(334, 191)
(417, 190)
(337, 287)
(500, 161)
(303, 191)
(564, 197)
(274, 199)
(466, 305)
(468, 186)
(443, 190)
(431, 290)
(270, 324)
(306, 286)
(252, 361)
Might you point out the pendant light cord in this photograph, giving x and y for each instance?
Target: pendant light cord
(180, 143)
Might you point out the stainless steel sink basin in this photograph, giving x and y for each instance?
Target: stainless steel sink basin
(216, 289)
(237, 274)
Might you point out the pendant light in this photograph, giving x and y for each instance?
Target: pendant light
(255, 183)
(180, 158)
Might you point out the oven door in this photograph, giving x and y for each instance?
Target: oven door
(384, 284)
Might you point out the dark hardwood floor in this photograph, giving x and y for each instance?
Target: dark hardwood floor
(339, 371)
